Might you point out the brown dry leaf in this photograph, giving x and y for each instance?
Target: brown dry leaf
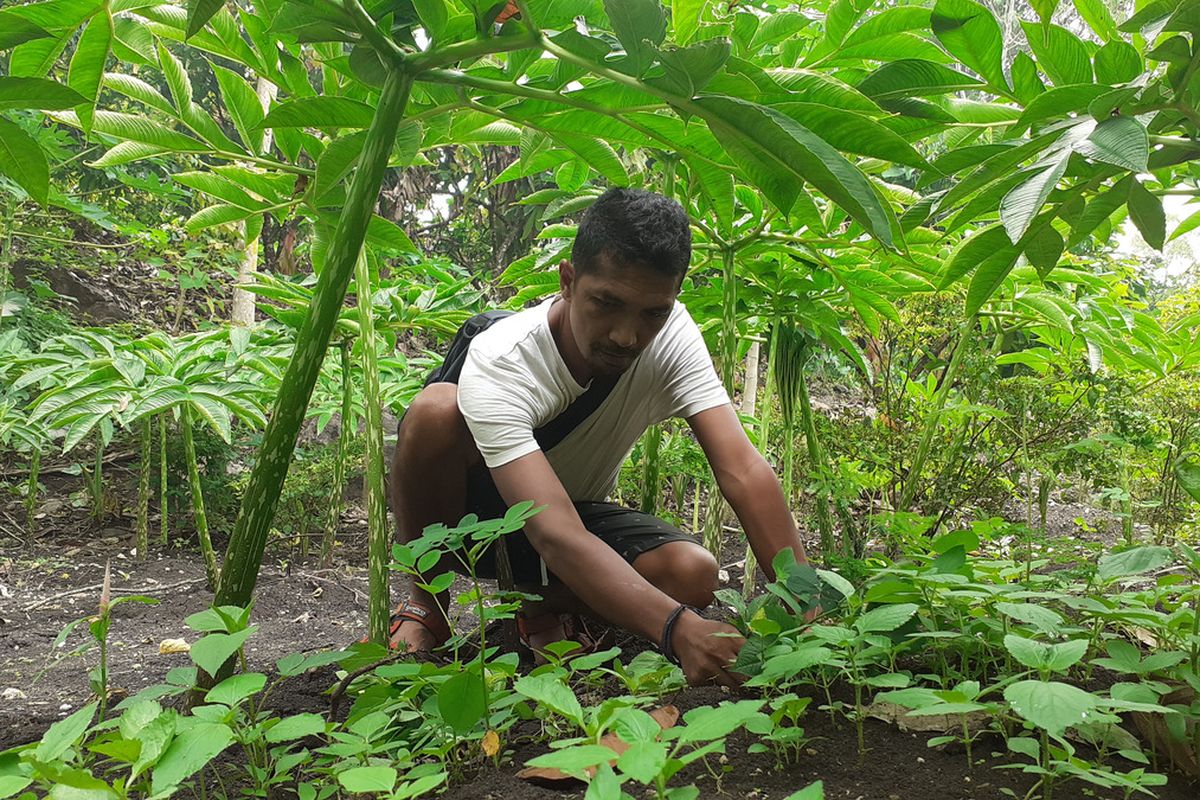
(1154, 730)
(665, 716)
(168, 646)
(490, 744)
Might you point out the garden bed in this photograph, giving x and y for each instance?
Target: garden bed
(300, 608)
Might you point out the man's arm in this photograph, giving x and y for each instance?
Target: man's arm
(748, 483)
(602, 579)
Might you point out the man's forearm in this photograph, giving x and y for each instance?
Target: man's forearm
(756, 498)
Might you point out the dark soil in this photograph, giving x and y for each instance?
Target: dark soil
(300, 608)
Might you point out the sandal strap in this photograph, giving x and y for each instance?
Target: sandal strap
(409, 611)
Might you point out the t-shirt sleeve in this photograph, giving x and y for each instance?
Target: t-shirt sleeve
(692, 384)
(497, 409)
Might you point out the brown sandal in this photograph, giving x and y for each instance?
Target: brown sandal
(573, 628)
(428, 618)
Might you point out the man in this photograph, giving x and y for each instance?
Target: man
(472, 446)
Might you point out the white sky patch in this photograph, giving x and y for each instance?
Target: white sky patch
(1178, 256)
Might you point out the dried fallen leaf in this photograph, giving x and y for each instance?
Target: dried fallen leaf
(490, 744)
(169, 646)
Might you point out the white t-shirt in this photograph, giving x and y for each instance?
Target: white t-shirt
(514, 380)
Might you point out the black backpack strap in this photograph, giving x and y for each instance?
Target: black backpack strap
(572, 417)
(451, 367)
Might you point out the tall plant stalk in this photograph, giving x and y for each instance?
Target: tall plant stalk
(95, 478)
(379, 607)
(338, 486)
(913, 479)
(764, 442)
(163, 500)
(143, 507)
(651, 471)
(31, 490)
(246, 545)
(817, 460)
(198, 516)
(715, 513)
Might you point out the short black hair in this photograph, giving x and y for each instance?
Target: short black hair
(634, 227)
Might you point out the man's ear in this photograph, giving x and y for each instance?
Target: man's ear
(566, 278)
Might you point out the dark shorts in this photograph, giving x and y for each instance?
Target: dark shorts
(626, 531)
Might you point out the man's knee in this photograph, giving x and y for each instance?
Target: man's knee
(433, 425)
(685, 571)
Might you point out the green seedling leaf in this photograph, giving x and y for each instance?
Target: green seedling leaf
(885, 618)
(296, 727)
(551, 692)
(574, 760)
(188, 752)
(1051, 705)
(155, 737)
(604, 785)
(1046, 657)
(814, 791)
(715, 722)
(1044, 619)
(461, 701)
(368, 780)
(643, 761)
(64, 733)
(215, 649)
(237, 688)
(1136, 561)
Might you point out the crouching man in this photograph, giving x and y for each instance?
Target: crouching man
(548, 403)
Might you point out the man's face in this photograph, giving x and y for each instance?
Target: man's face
(615, 311)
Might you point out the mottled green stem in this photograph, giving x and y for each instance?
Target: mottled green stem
(764, 443)
(198, 516)
(715, 514)
(651, 474)
(339, 462)
(95, 479)
(164, 510)
(378, 538)
(244, 555)
(31, 491)
(816, 458)
(143, 507)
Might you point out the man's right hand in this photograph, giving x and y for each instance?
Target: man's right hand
(706, 649)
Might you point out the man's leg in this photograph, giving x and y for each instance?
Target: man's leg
(428, 484)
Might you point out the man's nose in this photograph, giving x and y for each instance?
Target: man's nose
(624, 335)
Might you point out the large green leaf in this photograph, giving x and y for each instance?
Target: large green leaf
(969, 32)
(778, 155)
(1099, 209)
(1050, 657)
(199, 12)
(636, 22)
(368, 780)
(64, 733)
(1021, 204)
(461, 700)
(1118, 62)
(551, 692)
(1146, 211)
(685, 19)
(39, 93)
(1096, 14)
(913, 77)
(1120, 141)
(243, 105)
(336, 162)
(320, 112)
(215, 649)
(188, 752)
(885, 619)
(854, 133)
(1051, 705)
(87, 65)
(991, 244)
(22, 159)
(56, 15)
(142, 129)
(1135, 561)
(34, 59)
(1188, 475)
(221, 188)
(16, 30)
(1060, 53)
